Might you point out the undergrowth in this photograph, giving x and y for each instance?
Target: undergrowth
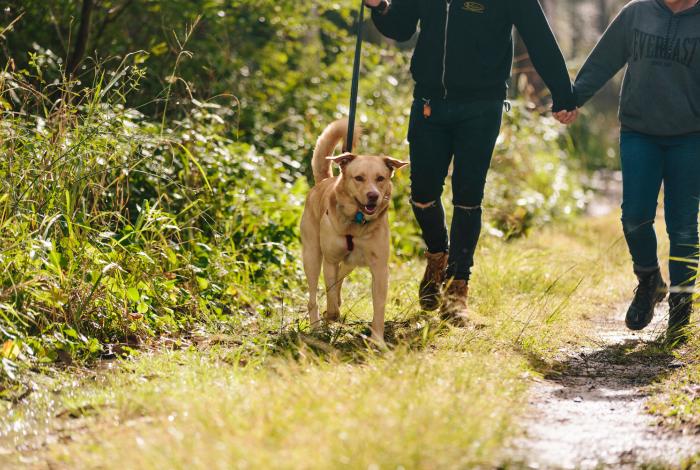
(258, 395)
(116, 229)
(119, 230)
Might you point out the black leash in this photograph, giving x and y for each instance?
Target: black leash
(355, 79)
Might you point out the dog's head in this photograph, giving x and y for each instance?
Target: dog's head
(365, 181)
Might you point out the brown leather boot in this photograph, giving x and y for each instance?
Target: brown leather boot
(431, 285)
(454, 308)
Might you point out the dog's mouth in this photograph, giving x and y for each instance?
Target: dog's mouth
(370, 208)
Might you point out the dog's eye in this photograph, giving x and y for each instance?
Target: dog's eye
(359, 179)
(380, 179)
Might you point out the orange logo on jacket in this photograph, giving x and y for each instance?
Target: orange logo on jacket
(474, 7)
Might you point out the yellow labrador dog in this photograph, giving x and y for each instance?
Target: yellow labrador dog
(345, 224)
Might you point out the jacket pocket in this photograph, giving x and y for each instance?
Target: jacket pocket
(426, 63)
(628, 97)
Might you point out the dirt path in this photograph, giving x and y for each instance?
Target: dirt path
(591, 412)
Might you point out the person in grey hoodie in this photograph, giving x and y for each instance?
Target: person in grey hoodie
(659, 42)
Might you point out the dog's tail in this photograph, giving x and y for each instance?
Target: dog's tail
(326, 144)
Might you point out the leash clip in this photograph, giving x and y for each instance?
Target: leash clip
(427, 109)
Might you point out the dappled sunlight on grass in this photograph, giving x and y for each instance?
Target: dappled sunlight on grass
(269, 392)
(677, 397)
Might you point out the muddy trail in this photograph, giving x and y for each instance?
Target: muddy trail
(589, 412)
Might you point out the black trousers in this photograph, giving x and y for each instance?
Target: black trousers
(465, 132)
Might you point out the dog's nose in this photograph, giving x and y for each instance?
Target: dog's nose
(372, 196)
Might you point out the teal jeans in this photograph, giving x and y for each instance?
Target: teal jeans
(647, 162)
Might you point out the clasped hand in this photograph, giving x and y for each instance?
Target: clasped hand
(566, 117)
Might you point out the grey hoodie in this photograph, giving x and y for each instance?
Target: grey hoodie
(661, 90)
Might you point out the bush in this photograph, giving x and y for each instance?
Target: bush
(534, 179)
(120, 228)
(116, 229)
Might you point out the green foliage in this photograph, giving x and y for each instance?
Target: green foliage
(535, 180)
(282, 64)
(594, 139)
(122, 223)
(257, 387)
(115, 230)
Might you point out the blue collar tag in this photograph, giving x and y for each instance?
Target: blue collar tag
(360, 218)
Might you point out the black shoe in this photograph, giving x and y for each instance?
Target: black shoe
(651, 291)
(680, 309)
(429, 292)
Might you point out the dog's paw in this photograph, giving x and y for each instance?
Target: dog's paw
(331, 316)
(377, 343)
(378, 340)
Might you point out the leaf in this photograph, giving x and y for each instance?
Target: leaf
(203, 283)
(10, 349)
(133, 294)
(142, 307)
(196, 163)
(94, 346)
(113, 81)
(159, 49)
(70, 332)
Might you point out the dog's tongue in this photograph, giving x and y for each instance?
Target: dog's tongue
(370, 208)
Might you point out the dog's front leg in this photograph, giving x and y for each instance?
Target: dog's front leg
(331, 273)
(312, 266)
(380, 287)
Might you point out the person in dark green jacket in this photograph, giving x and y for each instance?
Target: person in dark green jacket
(659, 43)
(461, 66)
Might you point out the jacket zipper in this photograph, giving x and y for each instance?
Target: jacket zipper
(444, 55)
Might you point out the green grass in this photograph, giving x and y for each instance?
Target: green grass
(677, 397)
(117, 232)
(269, 394)
(169, 239)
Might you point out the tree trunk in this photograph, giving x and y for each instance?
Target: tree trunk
(81, 40)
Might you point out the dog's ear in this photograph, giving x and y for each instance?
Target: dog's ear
(342, 160)
(394, 164)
